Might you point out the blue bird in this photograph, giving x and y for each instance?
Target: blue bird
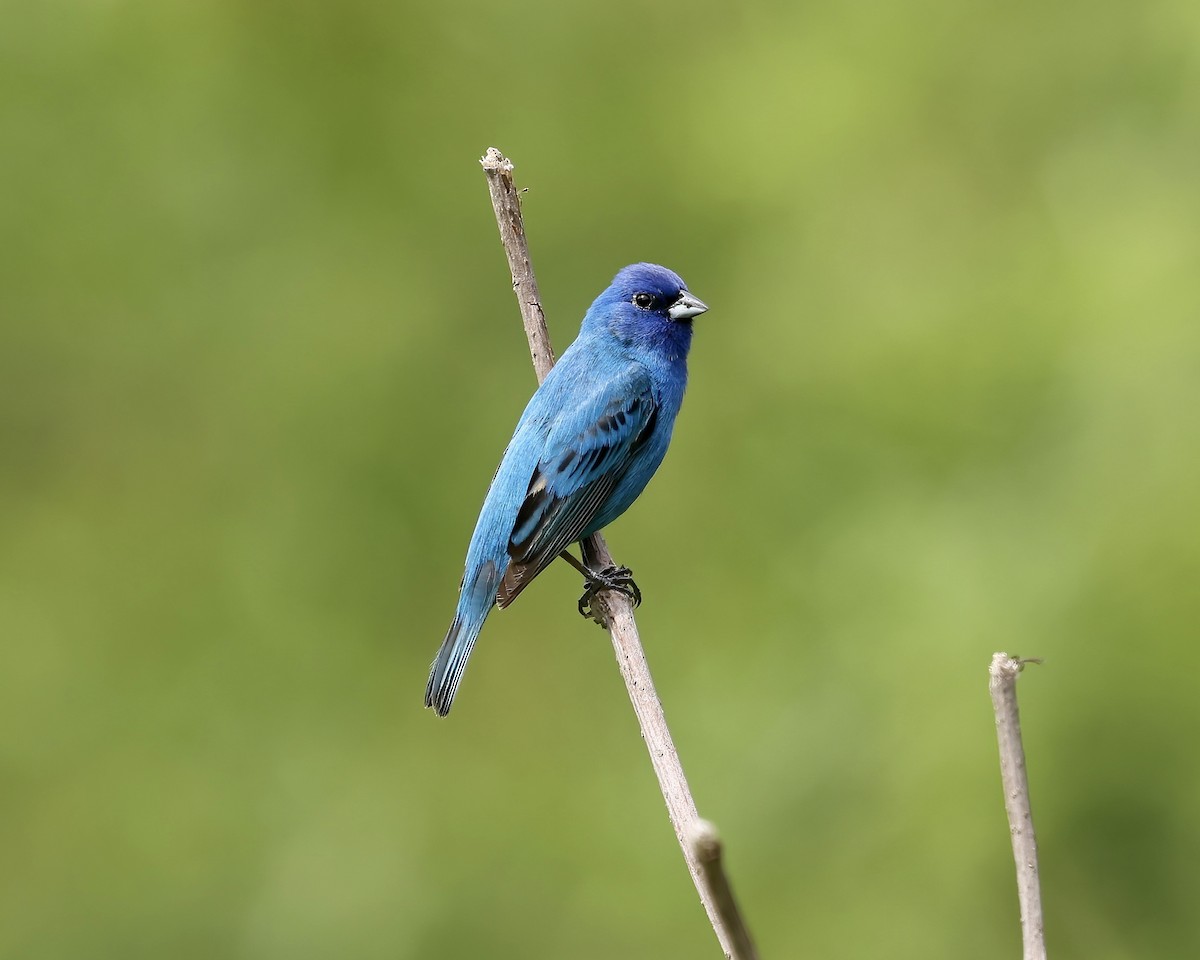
(586, 446)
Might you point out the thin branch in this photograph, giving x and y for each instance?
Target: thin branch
(1003, 686)
(707, 847)
(507, 204)
(613, 609)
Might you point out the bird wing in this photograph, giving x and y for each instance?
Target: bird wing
(584, 458)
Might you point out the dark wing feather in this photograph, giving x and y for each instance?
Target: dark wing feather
(571, 484)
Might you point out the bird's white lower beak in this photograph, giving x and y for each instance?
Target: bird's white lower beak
(686, 307)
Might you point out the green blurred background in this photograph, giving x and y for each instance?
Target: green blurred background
(258, 360)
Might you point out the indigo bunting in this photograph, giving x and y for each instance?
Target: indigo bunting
(587, 444)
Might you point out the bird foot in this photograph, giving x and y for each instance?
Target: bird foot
(611, 577)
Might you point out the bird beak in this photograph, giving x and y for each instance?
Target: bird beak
(686, 307)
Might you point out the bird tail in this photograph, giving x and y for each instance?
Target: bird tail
(474, 605)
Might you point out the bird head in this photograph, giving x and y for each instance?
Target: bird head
(647, 304)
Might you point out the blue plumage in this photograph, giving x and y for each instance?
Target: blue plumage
(587, 444)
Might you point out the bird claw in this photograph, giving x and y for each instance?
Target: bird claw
(611, 577)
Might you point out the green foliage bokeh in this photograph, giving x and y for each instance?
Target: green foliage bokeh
(258, 359)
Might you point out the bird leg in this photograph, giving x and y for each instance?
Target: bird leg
(610, 577)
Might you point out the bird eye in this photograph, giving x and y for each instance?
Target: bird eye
(643, 300)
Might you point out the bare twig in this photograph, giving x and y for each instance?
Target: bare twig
(706, 845)
(615, 609)
(507, 204)
(1003, 686)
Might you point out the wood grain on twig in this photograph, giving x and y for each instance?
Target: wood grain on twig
(708, 849)
(1002, 683)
